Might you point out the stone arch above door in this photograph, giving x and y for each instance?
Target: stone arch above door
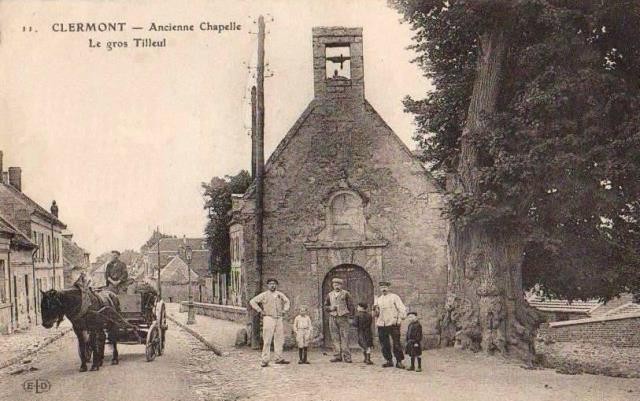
(359, 284)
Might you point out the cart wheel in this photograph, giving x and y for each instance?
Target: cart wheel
(151, 348)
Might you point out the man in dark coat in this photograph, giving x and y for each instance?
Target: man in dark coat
(362, 321)
(116, 274)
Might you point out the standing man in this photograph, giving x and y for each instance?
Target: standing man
(116, 274)
(390, 311)
(340, 307)
(272, 305)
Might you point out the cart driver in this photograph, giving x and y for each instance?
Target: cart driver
(116, 274)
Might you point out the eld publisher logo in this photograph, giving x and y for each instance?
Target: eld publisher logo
(37, 386)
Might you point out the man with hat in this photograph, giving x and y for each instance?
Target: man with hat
(389, 310)
(340, 307)
(116, 274)
(272, 305)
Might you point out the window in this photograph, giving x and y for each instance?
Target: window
(40, 243)
(26, 289)
(3, 283)
(338, 61)
(48, 248)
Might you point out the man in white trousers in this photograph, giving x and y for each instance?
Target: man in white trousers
(272, 305)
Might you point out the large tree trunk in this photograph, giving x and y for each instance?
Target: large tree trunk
(485, 308)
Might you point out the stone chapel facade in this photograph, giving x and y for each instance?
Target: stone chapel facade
(344, 197)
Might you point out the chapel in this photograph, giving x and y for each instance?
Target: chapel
(344, 197)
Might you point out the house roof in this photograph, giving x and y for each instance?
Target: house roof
(200, 262)
(562, 305)
(176, 272)
(626, 309)
(5, 228)
(174, 244)
(73, 255)
(18, 236)
(31, 205)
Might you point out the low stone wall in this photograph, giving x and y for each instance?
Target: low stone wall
(236, 314)
(605, 345)
(619, 331)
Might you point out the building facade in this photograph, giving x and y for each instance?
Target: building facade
(344, 197)
(35, 259)
(169, 249)
(75, 260)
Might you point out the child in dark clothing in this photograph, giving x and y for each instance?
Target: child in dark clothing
(362, 321)
(414, 338)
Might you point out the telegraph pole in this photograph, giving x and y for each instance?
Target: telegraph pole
(253, 132)
(159, 285)
(259, 177)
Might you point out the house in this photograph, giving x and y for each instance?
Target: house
(15, 249)
(41, 268)
(169, 249)
(344, 197)
(75, 260)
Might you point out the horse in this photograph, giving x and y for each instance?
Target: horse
(90, 314)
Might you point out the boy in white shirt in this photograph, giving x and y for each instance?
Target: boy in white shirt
(302, 330)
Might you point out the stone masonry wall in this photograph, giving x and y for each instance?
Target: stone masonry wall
(621, 332)
(603, 347)
(402, 207)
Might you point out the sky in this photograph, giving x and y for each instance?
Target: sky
(123, 139)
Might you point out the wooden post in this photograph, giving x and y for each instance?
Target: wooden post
(253, 132)
(259, 145)
(159, 284)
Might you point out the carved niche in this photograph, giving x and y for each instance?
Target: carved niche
(345, 218)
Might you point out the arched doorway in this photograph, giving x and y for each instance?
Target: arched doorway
(358, 282)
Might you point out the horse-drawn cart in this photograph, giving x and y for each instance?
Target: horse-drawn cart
(144, 311)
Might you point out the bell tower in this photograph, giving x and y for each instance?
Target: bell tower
(337, 64)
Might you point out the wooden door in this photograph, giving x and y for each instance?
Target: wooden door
(359, 284)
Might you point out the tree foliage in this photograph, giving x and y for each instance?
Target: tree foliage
(560, 163)
(217, 194)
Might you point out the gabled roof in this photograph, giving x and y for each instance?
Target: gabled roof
(200, 262)
(18, 236)
(174, 244)
(5, 228)
(626, 309)
(73, 255)
(176, 272)
(282, 146)
(31, 205)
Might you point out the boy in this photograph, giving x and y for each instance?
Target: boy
(302, 330)
(414, 337)
(362, 321)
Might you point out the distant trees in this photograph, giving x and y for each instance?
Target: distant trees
(217, 194)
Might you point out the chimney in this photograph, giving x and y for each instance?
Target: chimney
(15, 178)
(5, 177)
(54, 209)
(337, 64)
(1, 166)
